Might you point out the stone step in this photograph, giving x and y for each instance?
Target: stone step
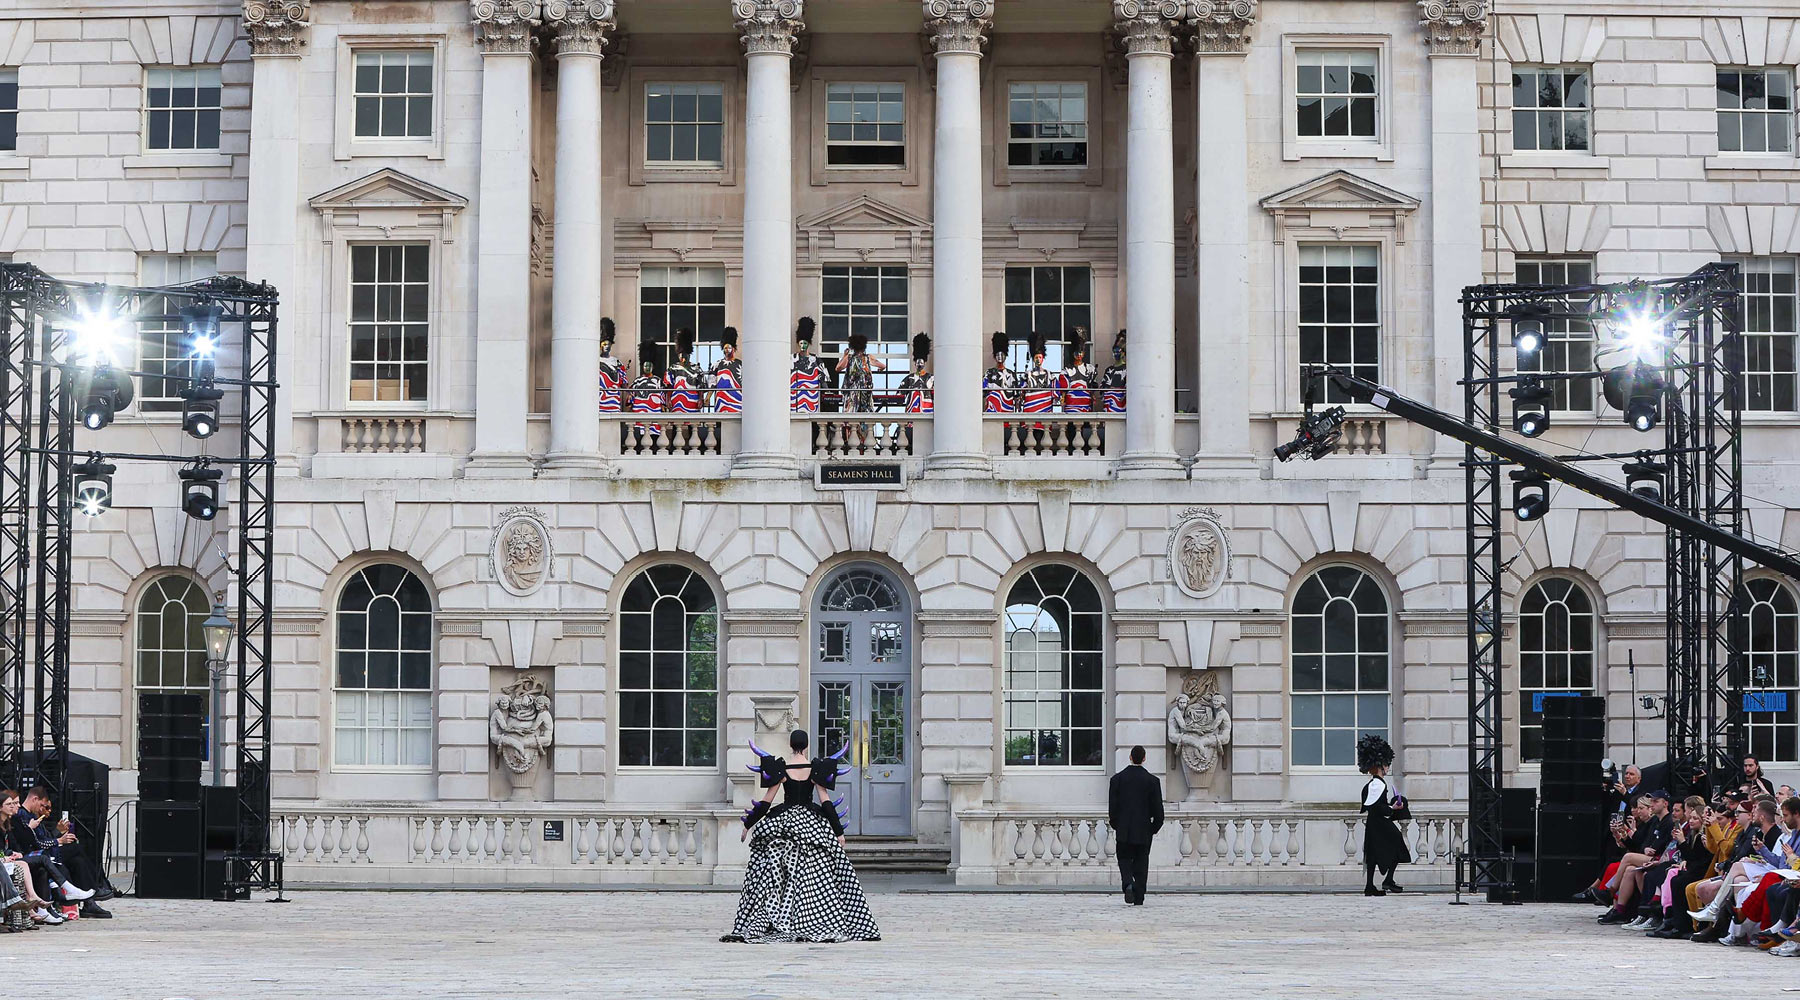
(896, 855)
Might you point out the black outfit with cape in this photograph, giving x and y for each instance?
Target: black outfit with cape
(800, 885)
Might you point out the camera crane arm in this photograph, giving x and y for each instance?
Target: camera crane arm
(1362, 390)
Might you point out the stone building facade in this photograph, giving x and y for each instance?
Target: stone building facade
(451, 196)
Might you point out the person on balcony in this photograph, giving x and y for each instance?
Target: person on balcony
(612, 376)
(1112, 384)
(999, 385)
(727, 376)
(682, 382)
(1076, 383)
(799, 884)
(1384, 846)
(808, 375)
(916, 387)
(1037, 386)
(856, 370)
(646, 392)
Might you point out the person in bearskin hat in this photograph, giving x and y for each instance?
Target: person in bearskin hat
(1076, 384)
(727, 377)
(682, 381)
(1384, 846)
(856, 371)
(1112, 383)
(645, 392)
(998, 384)
(916, 387)
(612, 374)
(1037, 386)
(808, 376)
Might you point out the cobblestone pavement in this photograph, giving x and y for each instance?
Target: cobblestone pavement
(511, 946)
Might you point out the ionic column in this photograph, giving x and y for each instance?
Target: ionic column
(769, 28)
(581, 27)
(503, 30)
(277, 30)
(1453, 31)
(956, 28)
(1147, 30)
(1222, 224)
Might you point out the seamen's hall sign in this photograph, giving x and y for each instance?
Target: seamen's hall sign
(860, 475)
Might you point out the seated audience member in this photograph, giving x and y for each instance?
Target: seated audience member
(1754, 783)
(1694, 861)
(51, 851)
(1755, 854)
(20, 868)
(1784, 793)
(1754, 906)
(1649, 837)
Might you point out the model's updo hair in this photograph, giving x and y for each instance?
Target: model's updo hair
(797, 740)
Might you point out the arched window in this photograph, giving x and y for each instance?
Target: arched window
(668, 670)
(1556, 654)
(1770, 639)
(1055, 684)
(171, 649)
(384, 643)
(1340, 659)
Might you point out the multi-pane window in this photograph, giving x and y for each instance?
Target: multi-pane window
(1556, 654)
(1550, 108)
(1340, 311)
(163, 351)
(865, 124)
(1769, 336)
(9, 110)
(1756, 110)
(390, 305)
(1335, 94)
(1055, 684)
(668, 670)
(1568, 343)
(181, 107)
(675, 298)
(870, 300)
(392, 94)
(684, 124)
(171, 646)
(1051, 301)
(1340, 660)
(1047, 124)
(1768, 632)
(383, 690)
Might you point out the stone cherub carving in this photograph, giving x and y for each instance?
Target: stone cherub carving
(521, 728)
(1199, 725)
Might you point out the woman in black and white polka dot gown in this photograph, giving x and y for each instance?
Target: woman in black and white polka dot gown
(800, 885)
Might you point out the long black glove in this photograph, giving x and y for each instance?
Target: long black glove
(755, 812)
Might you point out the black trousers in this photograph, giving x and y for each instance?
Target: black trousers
(1134, 870)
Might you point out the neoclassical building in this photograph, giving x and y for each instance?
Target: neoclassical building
(991, 609)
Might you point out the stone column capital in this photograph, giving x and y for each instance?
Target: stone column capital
(1222, 27)
(958, 25)
(1147, 27)
(1453, 27)
(276, 27)
(769, 25)
(580, 26)
(504, 27)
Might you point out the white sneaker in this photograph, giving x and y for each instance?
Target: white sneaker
(1641, 923)
(48, 917)
(75, 895)
(1786, 949)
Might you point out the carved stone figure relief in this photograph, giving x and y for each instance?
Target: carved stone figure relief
(520, 551)
(1200, 727)
(522, 730)
(1199, 552)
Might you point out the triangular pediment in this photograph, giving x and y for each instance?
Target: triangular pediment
(864, 212)
(388, 188)
(1344, 190)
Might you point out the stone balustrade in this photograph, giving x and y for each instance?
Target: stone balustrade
(1056, 435)
(873, 435)
(383, 435)
(668, 435)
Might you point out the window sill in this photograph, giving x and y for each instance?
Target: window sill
(1054, 768)
(1753, 161)
(698, 174)
(1083, 174)
(1364, 149)
(1557, 161)
(430, 148)
(380, 769)
(149, 161)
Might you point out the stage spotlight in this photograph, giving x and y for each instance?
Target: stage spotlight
(93, 485)
(200, 410)
(1645, 479)
(97, 332)
(108, 391)
(201, 324)
(1531, 407)
(1641, 414)
(200, 491)
(1528, 327)
(1531, 495)
(1633, 389)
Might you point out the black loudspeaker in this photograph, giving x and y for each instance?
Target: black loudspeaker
(1518, 819)
(1559, 879)
(1571, 850)
(169, 876)
(221, 803)
(1574, 743)
(169, 838)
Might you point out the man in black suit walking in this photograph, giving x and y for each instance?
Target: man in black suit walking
(1134, 807)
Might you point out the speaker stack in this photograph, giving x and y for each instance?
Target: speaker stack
(1572, 803)
(171, 746)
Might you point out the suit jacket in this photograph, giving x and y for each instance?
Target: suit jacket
(1134, 805)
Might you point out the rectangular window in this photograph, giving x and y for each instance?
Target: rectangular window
(1051, 301)
(393, 94)
(1047, 125)
(1556, 655)
(871, 301)
(684, 124)
(390, 305)
(671, 298)
(1335, 94)
(163, 354)
(1568, 343)
(1550, 108)
(1340, 311)
(1769, 337)
(9, 110)
(865, 124)
(181, 107)
(1756, 111)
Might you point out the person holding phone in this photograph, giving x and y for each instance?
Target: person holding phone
(52, 847)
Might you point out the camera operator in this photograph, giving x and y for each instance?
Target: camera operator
(1623, 794)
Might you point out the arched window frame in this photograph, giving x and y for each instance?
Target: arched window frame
(643, 699)
(1772, 669)
(1079, 736)
(154, 642)
(397, 716)
(1320, 737)
(1553, 662)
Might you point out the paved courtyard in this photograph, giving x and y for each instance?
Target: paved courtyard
(511, 946)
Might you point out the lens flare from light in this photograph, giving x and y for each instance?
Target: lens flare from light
(99, 332)
(204, 346)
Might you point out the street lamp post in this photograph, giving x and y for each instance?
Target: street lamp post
(218, 629)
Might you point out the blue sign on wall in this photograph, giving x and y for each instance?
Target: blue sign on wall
(1537, 698)
(1765, 701)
